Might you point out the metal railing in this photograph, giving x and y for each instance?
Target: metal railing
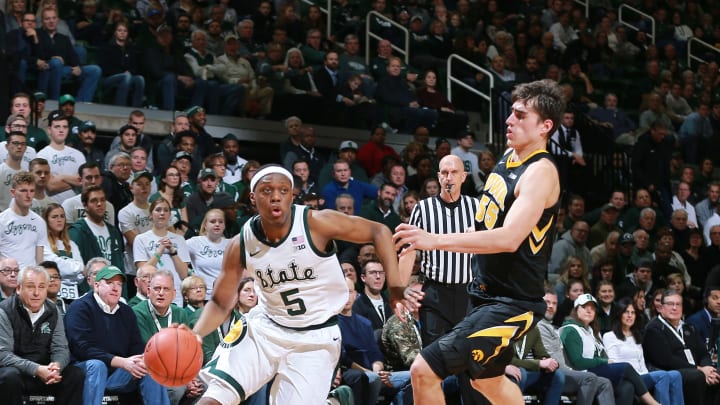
(691, 57)
(622, 20)
(368, 34)
(585, 3)
(327, 11)
(485, 96)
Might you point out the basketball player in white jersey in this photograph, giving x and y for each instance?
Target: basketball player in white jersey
(292, 334)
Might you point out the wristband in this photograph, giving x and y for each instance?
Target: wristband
(157, 256)
(173, 253)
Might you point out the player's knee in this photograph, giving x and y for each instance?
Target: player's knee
(420, 372)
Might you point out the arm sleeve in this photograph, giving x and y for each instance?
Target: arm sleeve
(574, 348)
(81, 334)
(59, 351)
(7, 344)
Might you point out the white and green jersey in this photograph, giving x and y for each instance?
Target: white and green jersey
(21, 235)
(133, 218)
(299, 285)
(65, 161)
(6, 175)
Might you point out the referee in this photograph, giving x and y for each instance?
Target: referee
(446, 274)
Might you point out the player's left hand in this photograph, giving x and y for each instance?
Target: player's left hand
(412, 298)
(409, 238)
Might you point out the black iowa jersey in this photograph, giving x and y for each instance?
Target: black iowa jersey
(520, 274)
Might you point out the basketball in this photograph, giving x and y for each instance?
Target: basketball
(173, 357)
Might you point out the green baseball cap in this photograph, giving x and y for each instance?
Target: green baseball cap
(108, 272)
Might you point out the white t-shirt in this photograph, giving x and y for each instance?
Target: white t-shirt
(20, 235)
(38, 206)
(65, 161)
(74, 210)
(71, 268)
(145, 246)
(102, 237)
(133, 218)
(207, 258)
(6, 175)
(29, 155)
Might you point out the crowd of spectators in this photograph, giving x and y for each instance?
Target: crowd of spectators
(650, 223)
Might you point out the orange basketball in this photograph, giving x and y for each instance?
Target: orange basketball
(173, 356)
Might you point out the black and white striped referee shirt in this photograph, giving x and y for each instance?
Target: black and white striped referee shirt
(437, 216)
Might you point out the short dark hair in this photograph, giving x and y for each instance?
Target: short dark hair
(86, 193)
(87, 165)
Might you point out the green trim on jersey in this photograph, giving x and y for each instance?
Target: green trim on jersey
(226, 377)
(254, 227)
(314, 248)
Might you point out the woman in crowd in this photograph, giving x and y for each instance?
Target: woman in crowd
(409, 200)
(423, 165)
(246, 174)
(170, 190)
(207, 249)
(63, 251)
(408, 155)
(624, 345)
(656, 304)
(574, 268)
(429, 188)
(162, 248)
(193, 293)
(693, 258)
(575, 288)
(432, 97)
(247, 297)
(584, 351)
(120, 68)
(607, 310)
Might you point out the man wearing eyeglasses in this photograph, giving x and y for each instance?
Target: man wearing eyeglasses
(105, 342)
(158, 312)
(15, 147)
(8, 277)
(671, 344)
(17, 122)
(142, 283)
(371, 303)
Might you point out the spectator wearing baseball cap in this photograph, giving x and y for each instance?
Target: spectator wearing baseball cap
(199, 201)
(87, 134)
(348, 150)
(607, 223)
(183, 162)
(66, 104)
(229, 207)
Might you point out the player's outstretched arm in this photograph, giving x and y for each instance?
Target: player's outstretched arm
(326, 225)
(537, 189)
(225, 291)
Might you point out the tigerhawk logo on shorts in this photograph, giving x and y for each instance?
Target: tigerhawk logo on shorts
(236, 333)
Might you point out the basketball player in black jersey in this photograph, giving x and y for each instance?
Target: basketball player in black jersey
(514, 233)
